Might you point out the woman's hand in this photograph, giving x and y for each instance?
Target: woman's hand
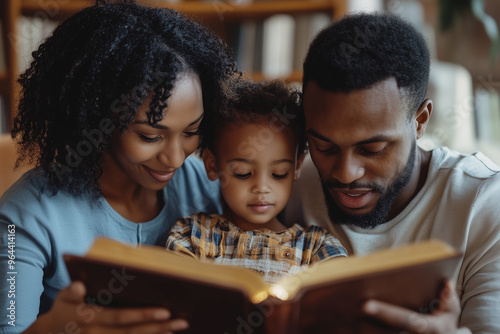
(70, 314)
(443, 319)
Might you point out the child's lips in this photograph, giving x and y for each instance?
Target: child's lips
(261, 207)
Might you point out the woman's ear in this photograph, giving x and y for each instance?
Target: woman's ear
(210, 165)
(298, 164)
(422, 117)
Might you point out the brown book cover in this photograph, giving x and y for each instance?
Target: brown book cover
(325, 298)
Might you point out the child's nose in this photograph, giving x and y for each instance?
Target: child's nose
(261, 186)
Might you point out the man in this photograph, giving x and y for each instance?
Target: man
(365, 80)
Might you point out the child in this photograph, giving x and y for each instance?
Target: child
(255, 149)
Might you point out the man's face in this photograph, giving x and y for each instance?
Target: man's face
(364, 147)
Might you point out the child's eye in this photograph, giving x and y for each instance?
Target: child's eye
(280, 176)
(242, 176)
(149, 139)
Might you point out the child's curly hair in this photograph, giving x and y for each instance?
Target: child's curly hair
(256, 103)
(91, 75)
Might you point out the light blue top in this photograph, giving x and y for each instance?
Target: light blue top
(38, 228)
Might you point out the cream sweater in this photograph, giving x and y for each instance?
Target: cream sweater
(459, 204)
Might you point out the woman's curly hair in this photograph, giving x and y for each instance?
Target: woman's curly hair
(271, 102)
(88, 79)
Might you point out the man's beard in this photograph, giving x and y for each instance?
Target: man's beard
(379, 215)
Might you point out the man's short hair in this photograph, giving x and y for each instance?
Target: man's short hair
(363, 49)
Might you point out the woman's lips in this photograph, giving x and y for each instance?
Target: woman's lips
(160, 176)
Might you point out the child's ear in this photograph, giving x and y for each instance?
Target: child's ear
(210, 165)
(298, 164)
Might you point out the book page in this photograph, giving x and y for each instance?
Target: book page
(168, 263)
(344, 268)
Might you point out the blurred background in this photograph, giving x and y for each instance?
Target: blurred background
(270, 39)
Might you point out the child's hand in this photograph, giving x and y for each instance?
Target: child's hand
(71, 314)
(442, 320)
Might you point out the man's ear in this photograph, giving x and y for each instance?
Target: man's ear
(298, 164)
(422, 117)
(210, 165)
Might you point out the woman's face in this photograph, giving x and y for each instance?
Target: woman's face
(148, 155)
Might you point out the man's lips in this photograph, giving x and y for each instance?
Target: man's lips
(160, 175)
(353, 199)
(261, 207)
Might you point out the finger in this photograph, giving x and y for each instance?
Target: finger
(73, 293)
(448, 299)
(397, 316)
(170, 326)
(131, 316)
(166, 327)
(464, 330)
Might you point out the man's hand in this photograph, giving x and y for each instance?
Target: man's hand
(71, 314)
(444, 319)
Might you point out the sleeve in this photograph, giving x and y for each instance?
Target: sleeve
(29, 275)
(329, 246)
(180, 238)
(479, 281)
(21, 279)
(191, 191)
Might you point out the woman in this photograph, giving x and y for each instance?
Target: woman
(111, 107)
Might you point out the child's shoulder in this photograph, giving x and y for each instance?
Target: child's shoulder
(317, 234)
(203, 220)
(311, 229)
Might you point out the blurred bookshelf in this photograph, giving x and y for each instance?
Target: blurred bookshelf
(242, 24)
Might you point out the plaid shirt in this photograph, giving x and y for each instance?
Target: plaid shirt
(212, 238)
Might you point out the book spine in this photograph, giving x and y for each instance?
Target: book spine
(278, 41)
(279, 315)
(246, 46)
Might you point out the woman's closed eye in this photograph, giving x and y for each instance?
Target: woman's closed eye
(149, 139)
(197, 132)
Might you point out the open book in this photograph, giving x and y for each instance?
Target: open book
(325, 298)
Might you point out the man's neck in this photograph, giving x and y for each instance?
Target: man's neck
(417, 181)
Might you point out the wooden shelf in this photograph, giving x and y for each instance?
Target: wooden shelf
(295, 76)
(4, 83)
(218, 15)
(222, 9)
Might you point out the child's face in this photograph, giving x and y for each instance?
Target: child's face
(255, 164)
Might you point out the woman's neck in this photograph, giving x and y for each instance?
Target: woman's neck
(128, 198)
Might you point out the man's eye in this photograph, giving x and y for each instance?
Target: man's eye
(242, 176)
(372, 152)
(150, 139)
(324, 149)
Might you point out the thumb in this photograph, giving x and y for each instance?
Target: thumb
(449, 300)
(73, 293)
